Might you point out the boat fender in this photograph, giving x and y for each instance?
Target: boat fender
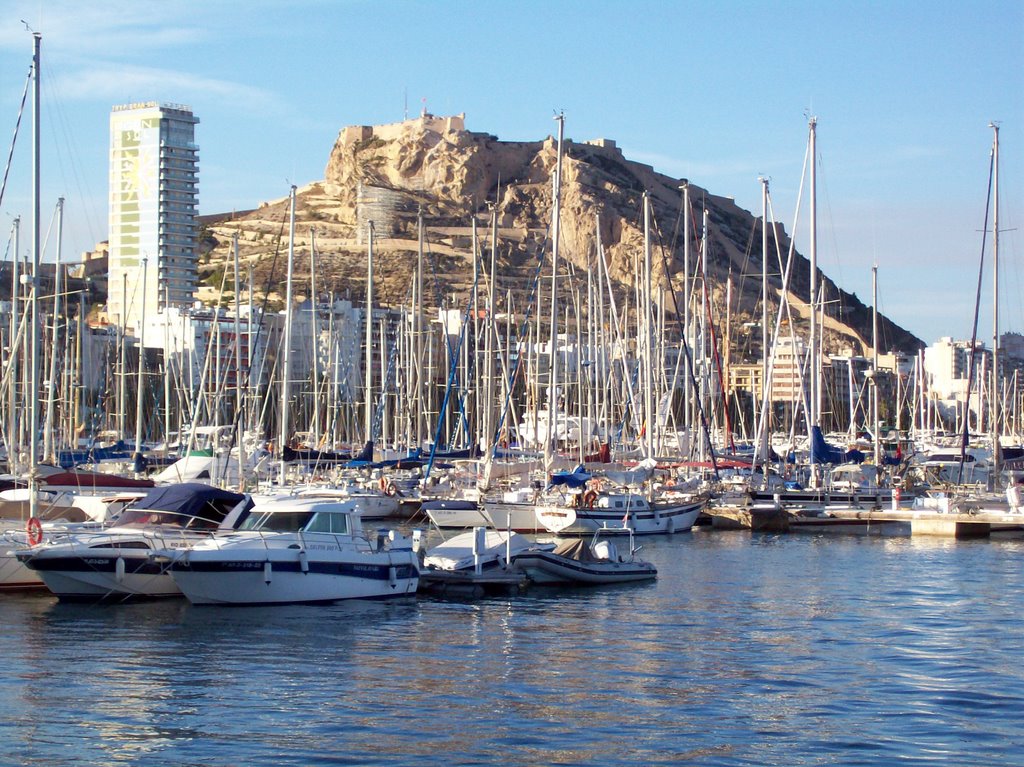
(671, 527)
(119, 569)
(393, 576)
(303, 561)
(34, 528)
(268, 570)
(590, 498)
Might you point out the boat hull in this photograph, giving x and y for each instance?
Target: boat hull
(517, 517)
(99, 575)
(14, 576)
(547, 568)
(235, 575)
(657, 519)
(455, 515)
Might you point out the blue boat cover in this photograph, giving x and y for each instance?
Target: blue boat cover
(188, 498)
(822, 452)
(578, 477)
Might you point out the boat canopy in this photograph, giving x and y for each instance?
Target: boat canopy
(191, 499)
(576, 478)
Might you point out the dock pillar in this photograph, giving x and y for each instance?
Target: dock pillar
(950, 528)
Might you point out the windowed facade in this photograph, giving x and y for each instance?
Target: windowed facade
(154, 192)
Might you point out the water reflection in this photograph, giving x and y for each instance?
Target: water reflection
(749, 649)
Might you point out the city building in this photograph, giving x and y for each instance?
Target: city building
(154, 167)
(947, 366)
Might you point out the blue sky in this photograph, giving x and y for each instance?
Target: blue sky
(718, 92)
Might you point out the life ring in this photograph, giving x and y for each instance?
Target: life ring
(34, 528)
(589, 498)
(390, 489)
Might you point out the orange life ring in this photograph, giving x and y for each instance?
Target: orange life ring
(34, 528)
(589, 498)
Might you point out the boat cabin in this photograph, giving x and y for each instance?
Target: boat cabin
(306, 515)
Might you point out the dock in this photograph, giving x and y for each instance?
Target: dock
(979, 524)
(467, 583)
(973, 524)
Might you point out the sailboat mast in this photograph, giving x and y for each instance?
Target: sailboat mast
(815, 414)
(13, 444)
(142, 358)
(647, 351)
(417, 333)
(33, 351)
(489, 344)
(287, 342)
(687, 394)
(549, 443)
(994, 399)
(239, 394)
(874, 366)
(368, 381)
(315, 344)
(763, 446)
(53, 389)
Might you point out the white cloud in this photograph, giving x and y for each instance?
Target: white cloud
(119, 83)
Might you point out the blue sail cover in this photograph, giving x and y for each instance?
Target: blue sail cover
(186, 498)
(822, 452)
(576, 478)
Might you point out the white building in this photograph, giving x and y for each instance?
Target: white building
(947, 365)
(154, 165)
(199, 346)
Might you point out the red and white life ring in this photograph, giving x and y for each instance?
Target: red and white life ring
(34, 528)
(590, 498)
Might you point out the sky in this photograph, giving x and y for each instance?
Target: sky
(717, 92)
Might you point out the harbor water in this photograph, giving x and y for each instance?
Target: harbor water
(750, 649)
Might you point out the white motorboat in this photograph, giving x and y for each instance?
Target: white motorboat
(115, 563)
(480, 546)
(577, 561)
(611, 513)
(295, 549)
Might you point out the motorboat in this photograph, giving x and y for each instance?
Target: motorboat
(115, 563)
(295, 549)
(53, 521)
(582, 562)
(479, 548)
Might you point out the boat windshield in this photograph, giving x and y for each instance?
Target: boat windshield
(329, 522)
(277, 521)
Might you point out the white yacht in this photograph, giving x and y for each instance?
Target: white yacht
(295, 549)
(115, 563)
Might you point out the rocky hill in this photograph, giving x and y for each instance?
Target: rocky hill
(432, 166)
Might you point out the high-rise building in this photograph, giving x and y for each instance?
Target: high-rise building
(154, 187)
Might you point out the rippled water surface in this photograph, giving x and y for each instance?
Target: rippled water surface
(748, 650)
